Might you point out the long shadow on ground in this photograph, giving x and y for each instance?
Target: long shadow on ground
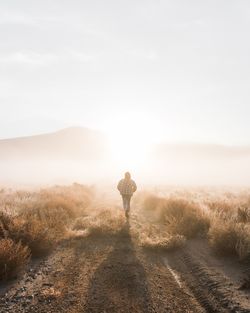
(119, 283)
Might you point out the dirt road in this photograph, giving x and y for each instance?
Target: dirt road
(112, 274)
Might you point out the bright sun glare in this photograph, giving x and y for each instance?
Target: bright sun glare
(130, 140)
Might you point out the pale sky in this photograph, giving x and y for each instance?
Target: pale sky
(181, 67)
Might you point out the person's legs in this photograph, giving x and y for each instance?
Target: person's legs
(128, 202)
(124, 201)
(128, 198)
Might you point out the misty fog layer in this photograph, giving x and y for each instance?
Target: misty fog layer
(79, 154)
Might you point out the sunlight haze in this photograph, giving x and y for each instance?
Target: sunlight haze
(182, 64)
(124, 156)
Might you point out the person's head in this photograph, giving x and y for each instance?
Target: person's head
(127, 175)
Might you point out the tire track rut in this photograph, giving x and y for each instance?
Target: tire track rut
(214, 291)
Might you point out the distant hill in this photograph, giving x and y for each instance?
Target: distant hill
(70, 143)
(82, 144)
(81, 154)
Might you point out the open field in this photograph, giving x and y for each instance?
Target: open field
(70, 249)
(107, 104)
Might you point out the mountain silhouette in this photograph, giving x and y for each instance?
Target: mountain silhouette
(70, 143)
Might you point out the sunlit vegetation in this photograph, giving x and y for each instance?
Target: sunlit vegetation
(171, 221)
(13, 257)
(229, 233)
(101, 221)
(32, 223)
(222, 218)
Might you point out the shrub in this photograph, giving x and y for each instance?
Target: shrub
(230, 238)
(43, 220)
(33, 233)
(72, 199)
(223, 237)
(243, 215)
(36, 221)
(180, 216)
(103, 222)
(40, 227)
(184, 218)
(13, 258)
(224, 207)
(53, 218)
(5, 224)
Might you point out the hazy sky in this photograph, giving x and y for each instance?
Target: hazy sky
(182, 67)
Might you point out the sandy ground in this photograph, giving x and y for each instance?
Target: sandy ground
(112, 274)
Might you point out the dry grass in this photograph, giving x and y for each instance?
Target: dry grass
(223, 218)
(150, 234)
(185, 218)
(180, 216)
(37, 221)
(13, 258)
(34, 222)
(169, 222)
(162, 242)
(35, 234)
(103, 221)
(243, 214)
(227, 237)
(229, 233)
(45, 221)
(6, 221)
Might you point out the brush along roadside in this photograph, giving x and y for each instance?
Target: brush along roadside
(38, 223)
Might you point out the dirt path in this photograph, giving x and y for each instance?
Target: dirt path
(215, 282)
(112, 274)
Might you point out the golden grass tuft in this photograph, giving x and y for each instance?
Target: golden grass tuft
(13, 258)
(36, 221)
(180, 216)
(35, 234)
(230, 238)
(185, 218)
(102, 222)
(6, 221)
(168, 242)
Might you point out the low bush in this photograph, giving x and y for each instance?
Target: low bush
(184, 218)
(35, 234)
(230, 238)
(13, 258)
(181, 217)
(223, 207)
(243, 214)
(103, 222)
(36, 221)
(42, 218)
(6, 222)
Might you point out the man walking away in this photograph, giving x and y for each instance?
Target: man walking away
(127, 187)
